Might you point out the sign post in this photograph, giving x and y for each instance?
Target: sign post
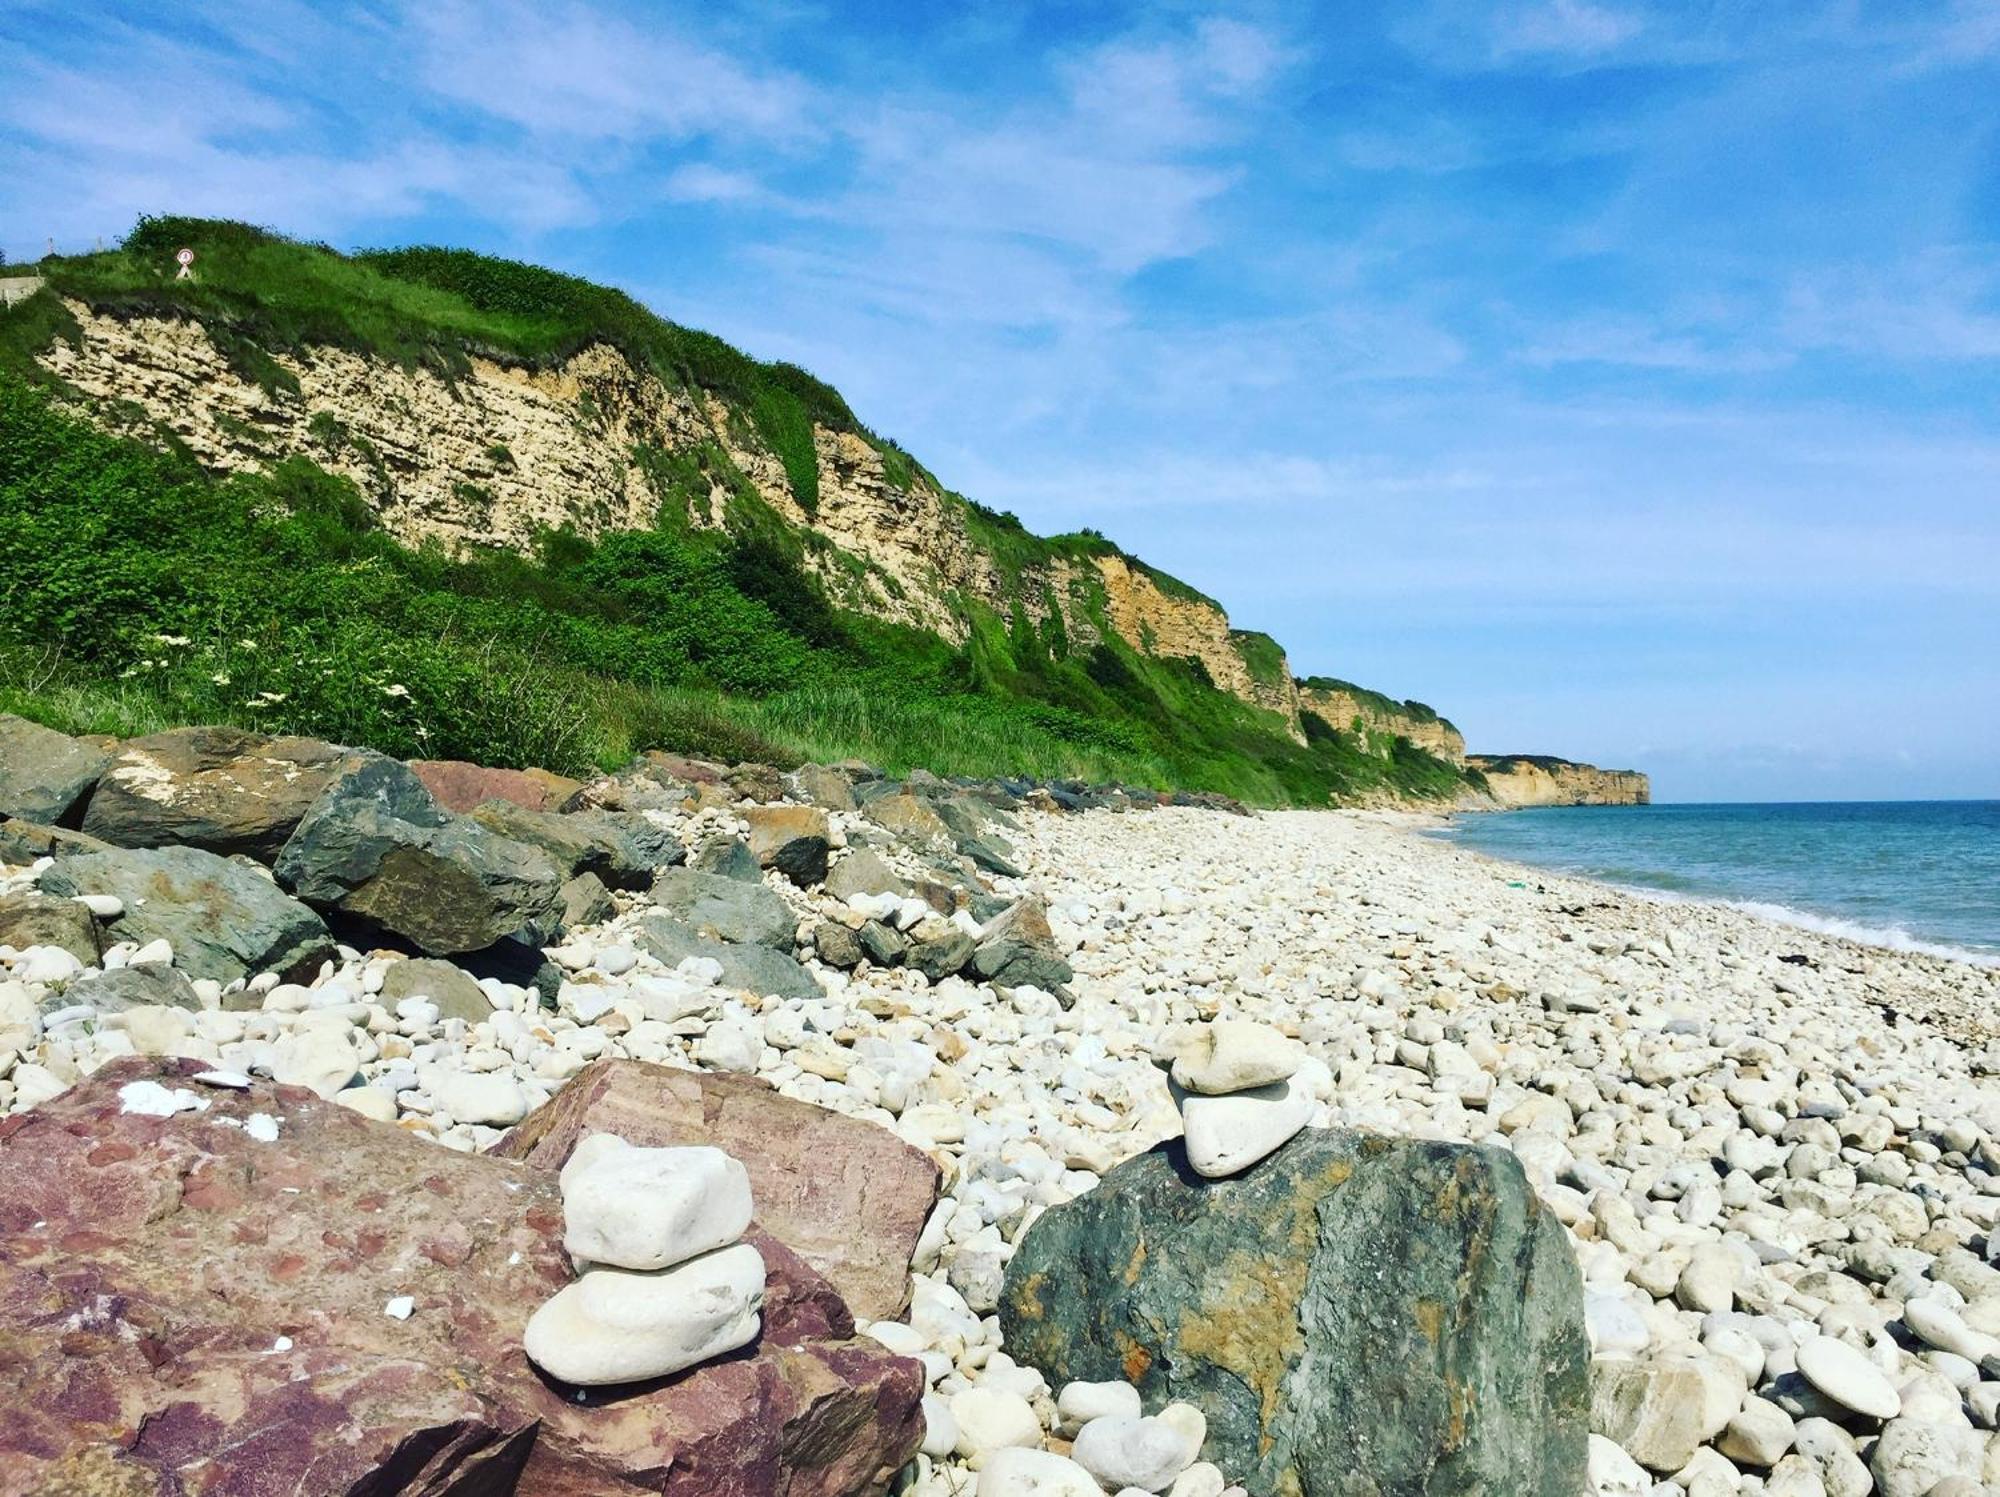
(186, 258)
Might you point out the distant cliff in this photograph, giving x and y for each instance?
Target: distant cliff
(1379, 720)
(1538, 780)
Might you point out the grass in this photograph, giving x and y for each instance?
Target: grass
(138, 592)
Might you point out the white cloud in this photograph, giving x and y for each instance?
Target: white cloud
(1568, 28)
(699, 182)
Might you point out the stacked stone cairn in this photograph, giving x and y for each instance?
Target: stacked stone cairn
(664, 1281)
(1244, 1090)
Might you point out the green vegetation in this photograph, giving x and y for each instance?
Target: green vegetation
(1262, 655)
(137, 591)
(1416, 711)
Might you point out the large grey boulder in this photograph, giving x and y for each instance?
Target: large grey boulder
(24, 842)
(623, 849)
(1355, 1315)
(376, 848)
(726, 909)
(45, 775)
(223, 920)
(754, 969)
(153, 985)
(1017, 949)
(222, 789)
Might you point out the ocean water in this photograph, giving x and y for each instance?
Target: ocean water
(1916, 875)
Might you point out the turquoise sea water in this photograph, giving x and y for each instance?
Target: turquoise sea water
(1911, 874)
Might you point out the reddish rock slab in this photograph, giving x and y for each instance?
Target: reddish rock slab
(186, 1308)
(846, 1195)
(459, 786)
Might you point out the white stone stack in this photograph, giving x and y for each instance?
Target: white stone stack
(1243, 1089)
(664, 1281)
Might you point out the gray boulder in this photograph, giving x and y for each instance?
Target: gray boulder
(585, 901)
(379, 850)
(23, 842)
(754, 969)
(623, 849)
(729, 857)
(222, 789)
(223, 919)
(836, 945)
(863, 871)
(456, 995)
(38, 920)
(938, 956)
(1017, 949)
(1355, 1315)
(45, 775)
(152, 985)
(726, 909)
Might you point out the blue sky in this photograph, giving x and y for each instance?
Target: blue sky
(1623, 380)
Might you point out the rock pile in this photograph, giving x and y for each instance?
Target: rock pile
(1243, 1090)
(665, 1281)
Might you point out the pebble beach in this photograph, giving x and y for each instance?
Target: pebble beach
(1776, 1153)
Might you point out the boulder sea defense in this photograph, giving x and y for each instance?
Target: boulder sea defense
(1356, 1315)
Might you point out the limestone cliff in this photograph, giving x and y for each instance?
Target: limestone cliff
(1376, 721)
(1514, 780)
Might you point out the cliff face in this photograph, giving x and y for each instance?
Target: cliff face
(470, 441)
(1379, 722)
(1537, 780)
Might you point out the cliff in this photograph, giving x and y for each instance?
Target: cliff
(1377, 720)
(1514, 780)
(479, 406)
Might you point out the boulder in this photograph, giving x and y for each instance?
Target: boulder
(862, 871)
(459, 786)
(45, 775)
(726, 909)
(753, 969)
(222, 789)
(376, 848)
(1017, 949)
(223, 920)
(194, 1305)
(622, 848)
(455, 993)
(848, 1196)
(730, 857)
(1355, 1315)
(585, 901)
(39, 920)
(795, 840)
(753, 781)
(23, 842)
(819, 785)
(152, 985)
(1660, 1413)
(836, 945)
(909, 820)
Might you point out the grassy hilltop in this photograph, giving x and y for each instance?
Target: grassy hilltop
(139, 590)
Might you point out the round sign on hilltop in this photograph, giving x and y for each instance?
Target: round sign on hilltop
(185, 256)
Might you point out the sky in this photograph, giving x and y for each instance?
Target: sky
(1621, 379)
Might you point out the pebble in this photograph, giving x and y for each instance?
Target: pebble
(646, 1209)
(615, 1326)
(1122, 1451)
(1848, 1378)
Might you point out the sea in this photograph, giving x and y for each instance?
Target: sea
(1911, 875)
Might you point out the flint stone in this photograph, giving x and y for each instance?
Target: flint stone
(1226, 1135)
(378, 849)
(646, 1208)
(1461, 1368)
(151, 1265)
(45, 775)
(459, 786)
(38, 920)
(223, 920)
(1660, 1413)
(848, 1196)
(754, 969)
(614, 1326)
(222, 789)
(1234, 1055)
(724, 909)
(456, 995)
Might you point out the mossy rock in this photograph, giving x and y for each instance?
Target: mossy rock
(1356, 1316)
